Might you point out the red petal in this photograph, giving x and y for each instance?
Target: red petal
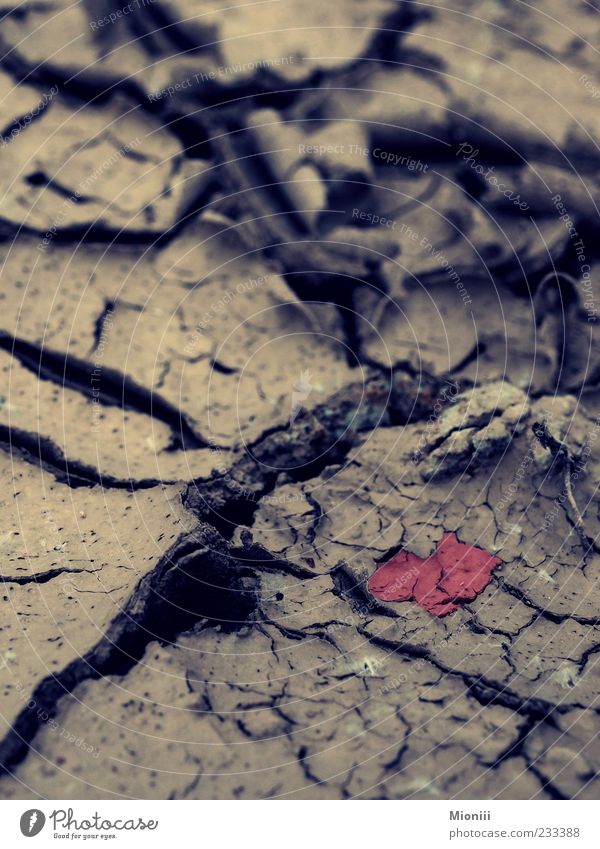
(453, 574)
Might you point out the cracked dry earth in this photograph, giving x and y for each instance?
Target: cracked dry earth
(231, 391)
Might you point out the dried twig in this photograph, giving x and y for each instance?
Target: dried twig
(569, 464)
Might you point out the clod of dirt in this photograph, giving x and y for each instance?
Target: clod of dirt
(455, 573)
(72, 41)
(474, 427)
(517, 75)
(289, 51)
(109, 168)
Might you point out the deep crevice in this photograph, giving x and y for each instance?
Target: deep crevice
(316, 440)
(196, 583)
(110, 388)
(41, 577)
(42, 452)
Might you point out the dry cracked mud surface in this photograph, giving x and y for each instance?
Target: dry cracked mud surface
(288, 294)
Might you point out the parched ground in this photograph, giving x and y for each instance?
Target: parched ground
(288, 294)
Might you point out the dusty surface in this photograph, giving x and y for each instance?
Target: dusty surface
(285, 293)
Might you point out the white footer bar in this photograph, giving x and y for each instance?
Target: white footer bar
(289, 825)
